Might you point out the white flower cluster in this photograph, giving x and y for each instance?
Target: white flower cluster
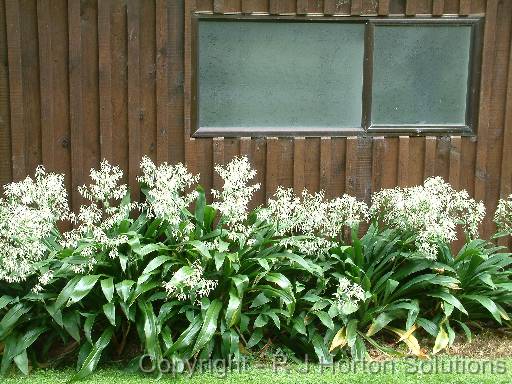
(503, 215)
(95, 221)
(44, 279)
(431, 211)
(348, 295)
(194, 285)
(166, 186)
(233, 199)
(320, 220)
(28, 215)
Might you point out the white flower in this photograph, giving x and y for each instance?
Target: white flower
(104, 211)
(320, 220)
(105, 186)
(431, 211)
(503, 215)
(28, 215)
(166, 197)
(44, 279)
(193, 285)
(233, 199)
(348, 295)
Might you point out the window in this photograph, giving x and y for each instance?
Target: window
(275, 76)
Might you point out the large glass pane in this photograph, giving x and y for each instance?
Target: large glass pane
(280, 74)
(420, 74)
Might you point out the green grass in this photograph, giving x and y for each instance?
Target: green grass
(403, 371)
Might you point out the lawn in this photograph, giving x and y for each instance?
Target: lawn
(396, 371)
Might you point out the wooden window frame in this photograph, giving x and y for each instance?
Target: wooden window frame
(366, 128)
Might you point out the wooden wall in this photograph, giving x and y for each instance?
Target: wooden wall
(92, 79)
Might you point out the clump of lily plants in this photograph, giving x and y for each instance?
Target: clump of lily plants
(176, 277)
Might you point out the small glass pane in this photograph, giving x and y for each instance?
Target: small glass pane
(420, 74)
(280, 74)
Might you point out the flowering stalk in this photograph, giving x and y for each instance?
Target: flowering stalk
(95, 223)
(503, 215)
(320, 220)
(28, 216)
(233, 200)
(164, 187)
(431, 211)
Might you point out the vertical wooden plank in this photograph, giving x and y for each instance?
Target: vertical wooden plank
(31, 87)
(227, 6)
(175, 131)
(148, 74)
(450, 7)
(359, 167)
(478, 6)
(443, 157)
(336, 7)
(326, 166)
(455, 162)
(497, 110)
(245, 147)
(416, 163)
(370, 7)
(506, 162)
(299, 151)
(364, 149)
(430, 157)
(418, 7)
(14, 47)
(383, 8)
(279, 164)
(485, 98)
(312, 164)
(5, 121)
(75, 99)
(44, 18)
(90, 135)
(53, 74)
(119, 85)
(282, 7)
(465, 7)
(135, 112)
(356, 7)
(255, 6)
(309, 7)
(378, 163)
(437, 7)
(162, 81)
(390, 161)
(218, 159)
(338, 168)
(403, 161)
(105, 80)
(302, 7)
(397, 7)
(232, 148)
(351, 166)
(83, 80)
(201, 5)
(467, 178)
(258, 162)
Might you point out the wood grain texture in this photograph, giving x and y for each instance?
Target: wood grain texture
(85, 80)
(336, 7)
(5, 122)
(252, 6)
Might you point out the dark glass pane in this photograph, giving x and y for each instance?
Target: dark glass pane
(420, 74)
(280, 74)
